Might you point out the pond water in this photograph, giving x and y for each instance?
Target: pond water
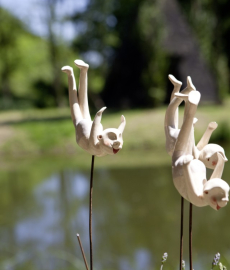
(136, 218)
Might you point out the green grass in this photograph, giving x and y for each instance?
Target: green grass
(50, 132)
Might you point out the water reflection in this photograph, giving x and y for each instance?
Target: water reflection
(135, 220)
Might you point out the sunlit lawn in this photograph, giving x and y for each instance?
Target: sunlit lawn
(50, 132)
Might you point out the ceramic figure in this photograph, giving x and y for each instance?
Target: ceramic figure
(90, 134)
(189, 173)
(205, 152)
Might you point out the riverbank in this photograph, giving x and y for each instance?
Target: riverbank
(49, 132)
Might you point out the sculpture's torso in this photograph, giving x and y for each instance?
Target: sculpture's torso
(180, 179)
(83, 130)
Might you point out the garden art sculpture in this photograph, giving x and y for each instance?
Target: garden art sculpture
(189, 162)
(90, 135)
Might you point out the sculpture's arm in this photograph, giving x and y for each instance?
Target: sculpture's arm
(206, 136)
(96, 128)
(218, 171)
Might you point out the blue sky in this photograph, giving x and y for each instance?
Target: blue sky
(33, 13)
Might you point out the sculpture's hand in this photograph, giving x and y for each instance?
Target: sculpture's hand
(188, 158)
(212, 126)
(96, 128)
(218, 171)
(99, 113)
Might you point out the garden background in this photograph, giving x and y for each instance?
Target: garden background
(131, 47)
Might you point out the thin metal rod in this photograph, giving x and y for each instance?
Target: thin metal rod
(82, 251)
(90, 213)
(190, 236)
(181, 231)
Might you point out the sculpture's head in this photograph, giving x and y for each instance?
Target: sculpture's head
(110, 139)
(215, 193)
(208, 155)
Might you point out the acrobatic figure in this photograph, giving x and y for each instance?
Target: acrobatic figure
(189, 173)
(90, 135)
(205, 152)
(189, 161)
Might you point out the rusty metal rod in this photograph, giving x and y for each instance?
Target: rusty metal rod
(90, 213)
(82, 251)
(190, 236)
(181, 231)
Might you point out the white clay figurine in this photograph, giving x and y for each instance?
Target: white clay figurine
(90, 134)
(188, 161)
(205, 152)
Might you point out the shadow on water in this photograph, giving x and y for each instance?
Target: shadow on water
(136, 218)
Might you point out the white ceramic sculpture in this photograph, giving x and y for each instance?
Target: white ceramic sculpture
(90, 134)
(205, 152)
(189, 172)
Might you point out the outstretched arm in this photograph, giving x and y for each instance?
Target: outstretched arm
(218, 171)
(206, 136)
(96, 128)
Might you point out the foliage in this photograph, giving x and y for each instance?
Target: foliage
(121, 40)
(125, 39)
(26, 72)
(210, 22)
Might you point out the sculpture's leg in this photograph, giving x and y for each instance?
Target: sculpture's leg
(73, 99)
(177, 85)
(83, 88)
(171, 113)
(182, 145)
(191, 102)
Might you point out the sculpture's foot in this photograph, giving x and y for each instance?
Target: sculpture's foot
(190, 87)
(193, 97)
(67, 69)
(81, 64)
(174, 81)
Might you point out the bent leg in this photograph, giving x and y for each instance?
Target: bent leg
(191, 102)
(73, 99)
(171, 118)
(82, 89)
(177, 85)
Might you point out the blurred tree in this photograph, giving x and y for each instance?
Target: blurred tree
(54, 51)
(10, 29)
(30, 66)
(211, 24)
(132, 63)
